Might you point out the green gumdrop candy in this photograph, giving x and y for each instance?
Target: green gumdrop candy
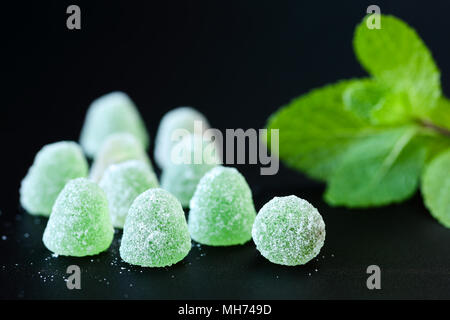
(289, 231)
(192, 157)
(117, 148)
(178, 118)
(222, 210)
(112, 113)
(79, 224)
(155, 232)
(122, 183)
(54, 165)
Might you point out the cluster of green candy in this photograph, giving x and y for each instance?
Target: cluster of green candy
(121, 190)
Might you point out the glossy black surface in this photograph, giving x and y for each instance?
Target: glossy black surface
(404, 241)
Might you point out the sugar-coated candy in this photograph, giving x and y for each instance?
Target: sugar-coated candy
(178, 118)
(155, 232)
(122, 183)
(79, 224)
(289, 231)
(222, 210)
(117, 148)
(112, 113)
(190, 159)
(54, 165)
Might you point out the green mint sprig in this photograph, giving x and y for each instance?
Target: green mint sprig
(375, 140)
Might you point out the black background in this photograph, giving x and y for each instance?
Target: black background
(237, 62)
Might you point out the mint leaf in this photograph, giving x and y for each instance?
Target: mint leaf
(397, 57)
(378, 170)
(370, 139)
(394, 108)
(316, 129)
(436, 188)
(363, 96)
(372, 101)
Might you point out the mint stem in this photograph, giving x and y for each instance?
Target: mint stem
(432, 126)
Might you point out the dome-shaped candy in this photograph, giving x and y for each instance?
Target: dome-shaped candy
(178, 118)
(122, 183)
(222, 210)
(289, 231)
(118, 147)
(79, 224)
(112, 113)
(155, 232)
(191, 158)
(53, 166)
